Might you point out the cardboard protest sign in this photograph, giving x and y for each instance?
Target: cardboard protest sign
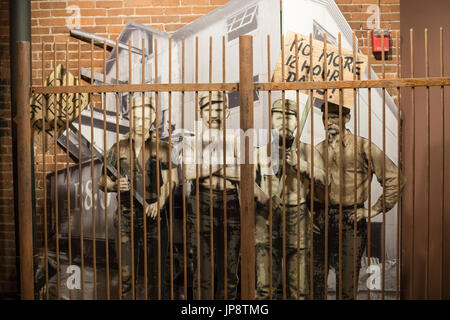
(332, 58)
(60, 106)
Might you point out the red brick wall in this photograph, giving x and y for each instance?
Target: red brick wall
(355, 11)
(8, 282)
(107, 18)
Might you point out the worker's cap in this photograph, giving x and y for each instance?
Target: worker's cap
(290, 106)
(216, 97)
(149, 102)
(334, 108)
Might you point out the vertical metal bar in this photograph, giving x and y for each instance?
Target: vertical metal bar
(44, 178)
(247, 174)
(94, 243)
(355, 177)
(383, 234)
(311, 242)
(69, 228)
(108, 293)
(197, 180)
(55, 127)
(325, 65)
(269, 150)
(283, 176)
(20, 55)
(157, 170)
(413, 180)
(119, 209)
(441, 51)
(144, 208)
(183, 174)
(211, 212)
(297, 96)
(22, 120)
(132, 167)
(399, 161)
(225, 218)
(80, 178)
(427, 74)
(341, 167)
(369, 97)
(170, 173)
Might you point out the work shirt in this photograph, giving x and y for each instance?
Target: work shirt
(125, 161)
(264, 172)
(366, 165)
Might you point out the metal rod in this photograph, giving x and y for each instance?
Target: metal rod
(325, 66)
(69, 228)
(247, 174)
(355, 177)
(119, 209)
(108, 284)
(272, 86)
(399, 157)
(80, 179)
(100, 41)
(94, 243)
(197, 180)
(225, 217)
(311, 242)
(24, 186)
(427, 97)
(441, 51)
(158, 170)
(211, 212)
(55, 126)
(283, 176)
(298, 171)
(170, 174)
(147, 283)
(269, 150)
(413, 183)
(369, 199)
(183, 173)
(383, 234)
(44, 178)
(341, 168)
(132, 166)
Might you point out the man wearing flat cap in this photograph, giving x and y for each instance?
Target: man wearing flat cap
(137, 158)
(297, 214)
(207, 151)
(370, 160)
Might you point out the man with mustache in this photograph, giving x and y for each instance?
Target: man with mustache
(265, 172)
(134, 165)
(367, 164)
(206, 151)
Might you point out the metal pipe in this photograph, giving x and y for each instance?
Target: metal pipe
(20, 38)
(247, 174)
(23, 165)
(100, 41)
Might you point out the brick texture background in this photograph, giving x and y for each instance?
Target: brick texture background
(8, 282)
(107, 19)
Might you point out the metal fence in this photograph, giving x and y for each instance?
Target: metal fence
(75, 238)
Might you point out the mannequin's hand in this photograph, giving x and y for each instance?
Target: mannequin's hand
(152, 210)
(123, 184)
